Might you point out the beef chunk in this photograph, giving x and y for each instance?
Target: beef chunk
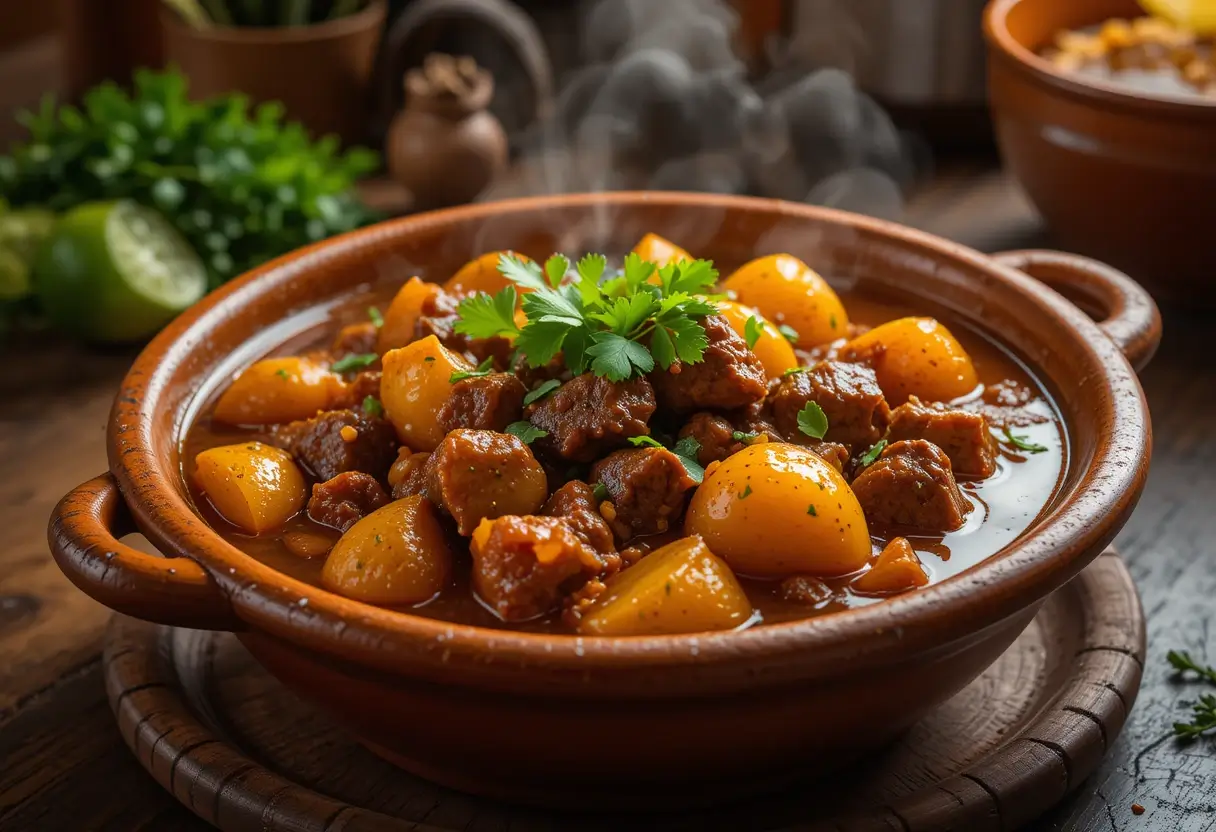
(806, 590)
(366, 383)
(728, 376)
(646, 487)
(911, 486)
(588, 416)
(963, 435)
(407, 477)
(355, 339)
(342, 501)
(326, 449)
(1010, 404)
(483, 403)
(575, 503)
(716, 434)
(475, 474)
(833, 453)
(523, 566)
(849, 395)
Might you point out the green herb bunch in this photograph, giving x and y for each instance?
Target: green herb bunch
(242, 186)
(617, 328)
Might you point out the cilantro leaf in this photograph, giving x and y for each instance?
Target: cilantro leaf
(692, 277)
(687, 336)
(551, 307)
(555, 269)
(687, 449)
(526, 273)
(1022, 443)
(376, 318)
(526, 432)
(636, 270)
(539, 341)
(574, 350)
(745, 438)
(625, 315)
(483, 369)
(372, 406)
(794, 370)
(686, 304)
(662, 347)
(487, 316)
(543, 389)
(789, 333)
(350, 363)
(812, 420)
(752, 330)
(615, 357)
(591, 268)
(868, 458)
(646, 441)
(600, 492)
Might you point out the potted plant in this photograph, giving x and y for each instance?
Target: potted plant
(315, 56)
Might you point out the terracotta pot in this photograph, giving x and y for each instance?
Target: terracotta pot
(1121, 175)
(322, 73)
(554, 719)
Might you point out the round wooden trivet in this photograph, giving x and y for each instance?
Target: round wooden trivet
(244, 754)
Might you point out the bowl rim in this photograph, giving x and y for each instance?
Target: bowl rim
(1060, 543)
(1001, 42)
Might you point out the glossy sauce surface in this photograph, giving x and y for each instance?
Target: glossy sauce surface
(1005, 504)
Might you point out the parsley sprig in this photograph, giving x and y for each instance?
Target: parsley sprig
(686, 450)
(1203, 711)
(617, 327)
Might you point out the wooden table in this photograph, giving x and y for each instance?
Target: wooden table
(64, 766)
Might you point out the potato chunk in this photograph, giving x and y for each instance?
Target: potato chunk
(681, 588)
(403, 313)
(415, 384)
(253, 486)
(660, 251)
(897, 569)
(773, 510)
(481, 274)
(914, 357)
(398, 554)
(771, 347)
(788, 291)
(278, 390)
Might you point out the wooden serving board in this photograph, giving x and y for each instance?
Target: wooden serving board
(244, 754)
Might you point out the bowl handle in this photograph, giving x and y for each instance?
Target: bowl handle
(84, 533)
(1121, 307)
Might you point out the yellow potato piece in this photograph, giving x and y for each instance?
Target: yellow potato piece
(398, 554)
(403, 313)
(415, 384)
(660, 251)
(277, 390)
(774, 510)
(914, 357)
(253, 486)
(773, 350)
(787, 291)
(481, 275)
(897, 569)
(681, 588)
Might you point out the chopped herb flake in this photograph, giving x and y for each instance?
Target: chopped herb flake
(543, 389)
(600, 492)
(811, 510)
(812, 420)
(350, 363)
(792, 370)
(526, 432)
(746, 492)
(745, 438)
(789, 333)
(376, 318)
(1022, 443)
(647, 441)
(832, 321)
(283, 374)
(752, 330)
(372, 406)
(867, 459)
(483, 369)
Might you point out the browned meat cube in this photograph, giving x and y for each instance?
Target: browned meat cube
(575, 503)
(911, 486)
(962, 434)
(475, 474)
(717, 435)
(407, 476)
(342, 501)
(355, 339)
(589, 416)
(849, 395)
(647, 488)
(729, 375)
(523, 566)
(483, 403)
(366, 383)
(337, 441)
(833, 453)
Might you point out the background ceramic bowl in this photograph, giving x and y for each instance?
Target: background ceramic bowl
(649, 720)
(1123, 176)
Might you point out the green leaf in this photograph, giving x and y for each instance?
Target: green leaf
(574, 350)
(526, 432)
(636, 271)
(812, 420)
(695, 277)
(548, 306)
(745, 438)
(376, 318)
(541, 390)
(488, 316)
(1022, 443)
(810, 509)
(746, 492)
(527, 274)
(789, 333)
(555, 269)
(483, 369)
(646, 441)
(624, 315)
(687, 449)
(662, 347)
(689, 339)
(615, 358)
(794, 371)
(539, 341)
(350, 363)
(591, 268)
(372, 406)
(869, 457)
(752, 330)
(600, 492)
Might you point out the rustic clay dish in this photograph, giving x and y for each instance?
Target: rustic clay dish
(642, 720)
(1124, 176)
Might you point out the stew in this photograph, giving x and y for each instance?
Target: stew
(568, 447)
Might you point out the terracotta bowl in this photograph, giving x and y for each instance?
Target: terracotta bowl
(1123, 176)
(647, 720)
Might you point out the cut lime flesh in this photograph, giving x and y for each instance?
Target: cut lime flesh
(152, 258)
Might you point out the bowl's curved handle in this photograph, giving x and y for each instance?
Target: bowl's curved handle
(83, 534)
(1120, 305)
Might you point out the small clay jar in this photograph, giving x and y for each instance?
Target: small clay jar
(445, 146)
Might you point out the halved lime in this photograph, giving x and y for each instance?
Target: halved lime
(1197, 15)
(115, 272)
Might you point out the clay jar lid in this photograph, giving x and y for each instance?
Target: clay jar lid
(449, 86)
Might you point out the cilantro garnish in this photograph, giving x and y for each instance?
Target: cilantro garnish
(372, 406)
(647, 441)
(600, 492)
(788, 332)
(283, 374)
(350, 363)
(526, 432)
(376, 318)
(752, 330)
(811, 510)
(543, 389)
(617, 328)
(686, 451)
(745, 438)
(812, 420)
(1022, 443)
(483, 369)
(746, 492)
(794, 370)
(867, 459)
